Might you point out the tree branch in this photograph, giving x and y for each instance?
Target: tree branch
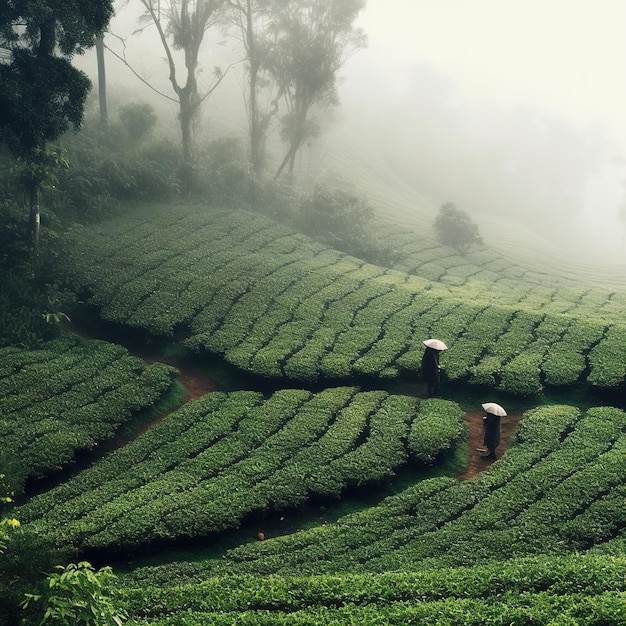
(122, 58)
(219, 80)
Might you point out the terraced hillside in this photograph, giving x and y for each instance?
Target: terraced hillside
(559, 490)
(440, 552)
(224, 457)
(275, 303)
(538, 537)
(68, 397)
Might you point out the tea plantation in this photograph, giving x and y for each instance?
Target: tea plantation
(538, 537)
(272, 302)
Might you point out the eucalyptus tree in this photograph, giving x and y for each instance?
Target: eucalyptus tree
(102, 81)
(249, 19)
(182, 25)
(308, 43)
(42, 94)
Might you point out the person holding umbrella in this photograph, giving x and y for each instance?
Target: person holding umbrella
(491, 427)
(431, 369)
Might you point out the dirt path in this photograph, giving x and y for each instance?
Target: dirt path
(475, 440)
(198, 383)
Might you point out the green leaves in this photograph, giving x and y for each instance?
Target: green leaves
(274, 303)
(79, 594)
(439, 426)
(455, 228)
(68, 396)
(226, 456)
(549, 494)
(571, 590)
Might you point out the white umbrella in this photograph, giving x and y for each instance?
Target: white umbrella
(435, 344)
(494, 409)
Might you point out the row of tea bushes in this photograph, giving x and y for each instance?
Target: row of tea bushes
(68, 396)
(508, 283)
(572, 590)
(441, 426)
(277, 304)
(224, 456)
(557, 490)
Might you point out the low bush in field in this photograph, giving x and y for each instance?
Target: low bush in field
(558, 490)
(439, 427)
(218, 459)
(572, 590)
(342, 220)
(66, 396)
(455, 228)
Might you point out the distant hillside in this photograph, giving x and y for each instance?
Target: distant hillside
(343, 150)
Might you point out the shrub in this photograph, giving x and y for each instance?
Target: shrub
(138, 119)
(439, 426)
(342, 220)
(78, 594)
(221, 174)
(29, 312)
(455, 228)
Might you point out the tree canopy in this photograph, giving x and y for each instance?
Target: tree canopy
(455, 228)
(41, 93)
(182, 25)
(308, 42)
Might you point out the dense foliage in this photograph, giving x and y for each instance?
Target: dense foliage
(78, 594)
(41, 93)
(559, 490)
(66, 396)
(573, 590)
(455, 228)
(274, 301)
(309, 304)
(223, 457)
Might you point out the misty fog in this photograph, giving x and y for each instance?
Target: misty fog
(515, 110)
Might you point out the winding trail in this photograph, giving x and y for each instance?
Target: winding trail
(475, 440)
(198, 383)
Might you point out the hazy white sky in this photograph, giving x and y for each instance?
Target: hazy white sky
(525, 79)
(566, 57)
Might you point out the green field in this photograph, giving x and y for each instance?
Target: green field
(274, 303)
(337, 434)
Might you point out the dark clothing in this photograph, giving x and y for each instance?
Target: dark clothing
(491, 438)
(430, 370)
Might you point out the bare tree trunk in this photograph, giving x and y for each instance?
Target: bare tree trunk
(296, 141)
(102, 81)
(290, 153)
(292, 164)
(255, 137)
(188, 112)
(35, 218)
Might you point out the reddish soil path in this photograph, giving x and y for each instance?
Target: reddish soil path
(475, 440)
(195, 381)
(198, 383)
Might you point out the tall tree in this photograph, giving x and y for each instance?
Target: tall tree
(41, 93)
(182, 25)
(309, 41)
(102, 81)
(250, 19)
